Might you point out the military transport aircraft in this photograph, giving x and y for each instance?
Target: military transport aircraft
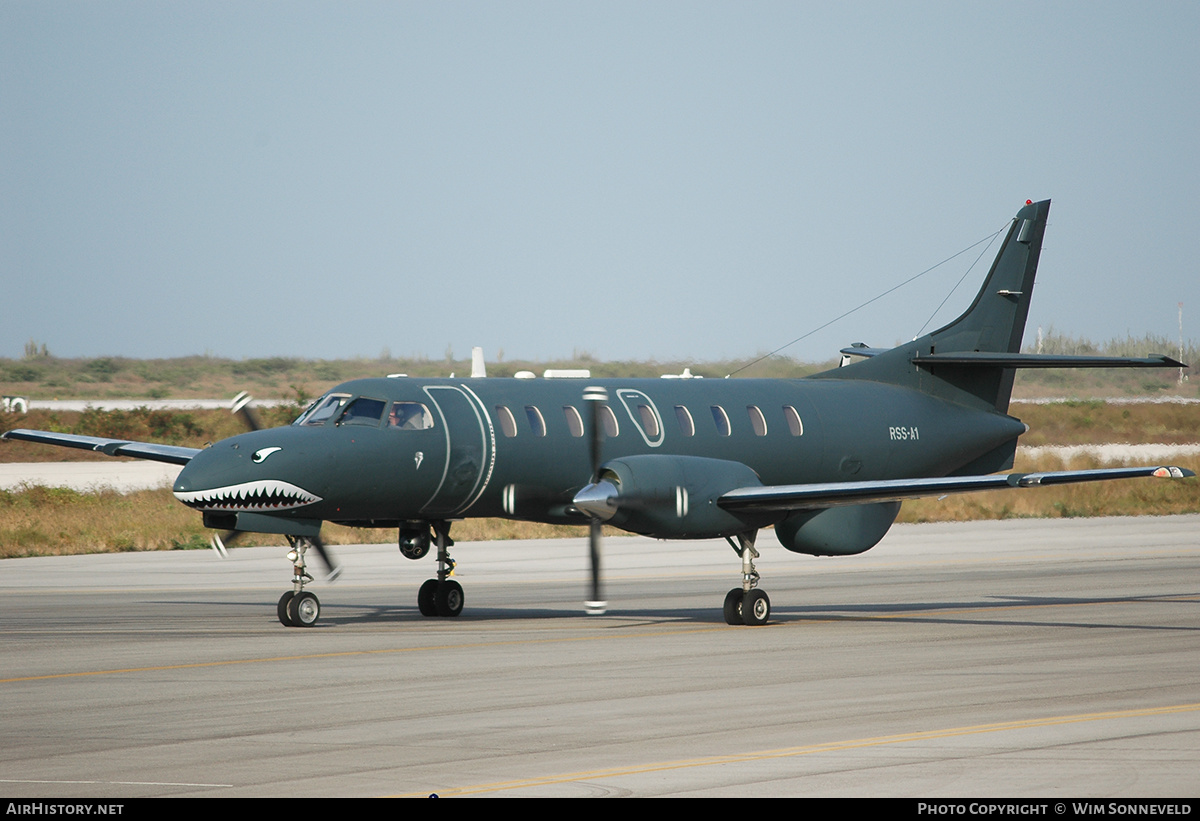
(826, 460)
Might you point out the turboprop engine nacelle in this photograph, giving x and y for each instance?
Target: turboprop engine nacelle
(668, 497)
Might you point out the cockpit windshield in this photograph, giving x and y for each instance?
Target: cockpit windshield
(323, 409)
(363, 411)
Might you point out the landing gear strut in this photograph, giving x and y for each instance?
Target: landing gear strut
(441, 596)
(298, 607)
(746, 604)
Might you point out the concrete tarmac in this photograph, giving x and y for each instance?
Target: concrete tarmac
(89, 476)
(1015, 659)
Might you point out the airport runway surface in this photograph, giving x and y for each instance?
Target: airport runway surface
(1017, 658)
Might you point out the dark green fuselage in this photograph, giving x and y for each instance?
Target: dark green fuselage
(466, 465)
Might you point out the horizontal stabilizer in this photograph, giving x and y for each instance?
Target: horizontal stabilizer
(863, 350)
(987, 359)
(836, 494)
(171, 454)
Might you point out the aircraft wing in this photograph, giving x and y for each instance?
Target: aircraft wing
(836, 494)
(172, 454)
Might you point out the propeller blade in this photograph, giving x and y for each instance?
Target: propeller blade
(596, 396)
(334, 569)
(596, 605)
(241, 407)
(221, 542)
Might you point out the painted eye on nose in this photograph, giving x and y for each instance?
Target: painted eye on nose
(261, 455)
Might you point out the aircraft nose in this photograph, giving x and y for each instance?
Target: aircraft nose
(236, 476)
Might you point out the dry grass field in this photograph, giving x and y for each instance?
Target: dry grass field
(46, 521)
(43, 521)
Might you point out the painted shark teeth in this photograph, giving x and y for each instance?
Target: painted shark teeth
(264, 494)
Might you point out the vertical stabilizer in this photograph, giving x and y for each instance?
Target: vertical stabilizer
(994, 323)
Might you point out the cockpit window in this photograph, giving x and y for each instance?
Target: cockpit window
(410, 416)
(323, 409)
(363, 411)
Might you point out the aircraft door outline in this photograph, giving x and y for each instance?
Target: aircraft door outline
(629, 398)
(469, 460)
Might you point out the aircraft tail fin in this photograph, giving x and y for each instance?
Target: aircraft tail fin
(974, 359)
(994, 323)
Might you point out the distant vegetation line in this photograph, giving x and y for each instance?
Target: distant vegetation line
(47, 521)
(39, 374)
(1053, 342)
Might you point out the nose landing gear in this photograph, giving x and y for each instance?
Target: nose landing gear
(298, 607)
(441, 596)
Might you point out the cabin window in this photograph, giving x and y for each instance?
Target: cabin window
(537, 424)
(508, 425)
(757, 421)
(364, 412)
(686, 426)
(410, 416)
(649, 420)
(322, 411)
(721, 420)
(608, 420)
(793, 420)
(574, 420)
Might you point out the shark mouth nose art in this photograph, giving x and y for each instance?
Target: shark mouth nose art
(264, 494)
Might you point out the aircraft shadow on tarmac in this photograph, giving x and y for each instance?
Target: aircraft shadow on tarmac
(965, 612)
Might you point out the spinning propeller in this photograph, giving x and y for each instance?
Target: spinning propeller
(242, 408)
(595, 605)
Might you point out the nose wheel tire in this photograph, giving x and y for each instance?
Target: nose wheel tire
(437, 598)
(304, 609)
(733, 606)
(426, 596)
(449, 598)
(756, 608)
(282, 609)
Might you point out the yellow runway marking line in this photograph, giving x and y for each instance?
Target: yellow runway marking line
(791, 752)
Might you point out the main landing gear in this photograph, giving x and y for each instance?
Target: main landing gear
(298, 607)
(747, 604)
(441, 596)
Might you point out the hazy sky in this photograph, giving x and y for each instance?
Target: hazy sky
(635, 180)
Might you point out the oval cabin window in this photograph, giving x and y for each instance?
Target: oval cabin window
(574, 420)
(508, 425)
(721, 420)
(757, 420)
(795, 426)
(537, 424)
(684, 417)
